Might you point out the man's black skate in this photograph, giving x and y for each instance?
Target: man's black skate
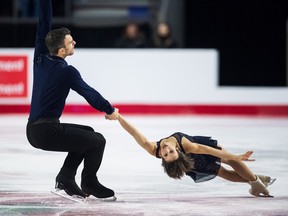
(95, 188)
(70, 187)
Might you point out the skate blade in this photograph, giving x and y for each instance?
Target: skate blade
(272, 181)
(265, 196)
(108, 199)
(74, 198)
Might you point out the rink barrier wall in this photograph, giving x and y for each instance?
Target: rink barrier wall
(144, 81)
(156, 109)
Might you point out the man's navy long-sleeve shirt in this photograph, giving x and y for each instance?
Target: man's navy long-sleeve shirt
(53, 77)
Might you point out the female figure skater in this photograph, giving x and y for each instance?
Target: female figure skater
(200, 158)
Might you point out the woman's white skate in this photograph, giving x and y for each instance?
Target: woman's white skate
(259, 187)
(266, 180)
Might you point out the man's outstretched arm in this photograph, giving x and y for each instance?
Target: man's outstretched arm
(44, 26)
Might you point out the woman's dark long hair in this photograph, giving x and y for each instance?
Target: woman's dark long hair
(177, 168)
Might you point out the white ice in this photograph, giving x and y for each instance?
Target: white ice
(27, 174)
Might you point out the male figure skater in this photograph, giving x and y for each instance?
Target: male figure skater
(53, 79)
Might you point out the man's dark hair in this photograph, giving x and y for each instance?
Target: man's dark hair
(55, 39)
(177, 168)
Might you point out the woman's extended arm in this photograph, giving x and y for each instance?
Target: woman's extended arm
(197, 148)
(150, 147)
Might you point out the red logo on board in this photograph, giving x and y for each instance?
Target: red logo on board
(13, 76)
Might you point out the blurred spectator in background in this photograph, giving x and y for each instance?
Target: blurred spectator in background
(132, 37)
(163, 37)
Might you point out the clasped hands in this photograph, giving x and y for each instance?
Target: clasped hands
(113, 116)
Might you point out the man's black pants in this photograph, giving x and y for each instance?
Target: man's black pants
(80, 141)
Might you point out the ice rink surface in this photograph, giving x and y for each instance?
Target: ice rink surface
(27, 175)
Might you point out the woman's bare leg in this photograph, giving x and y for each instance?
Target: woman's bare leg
(241, 169)
(231, 175)
(241, 173)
